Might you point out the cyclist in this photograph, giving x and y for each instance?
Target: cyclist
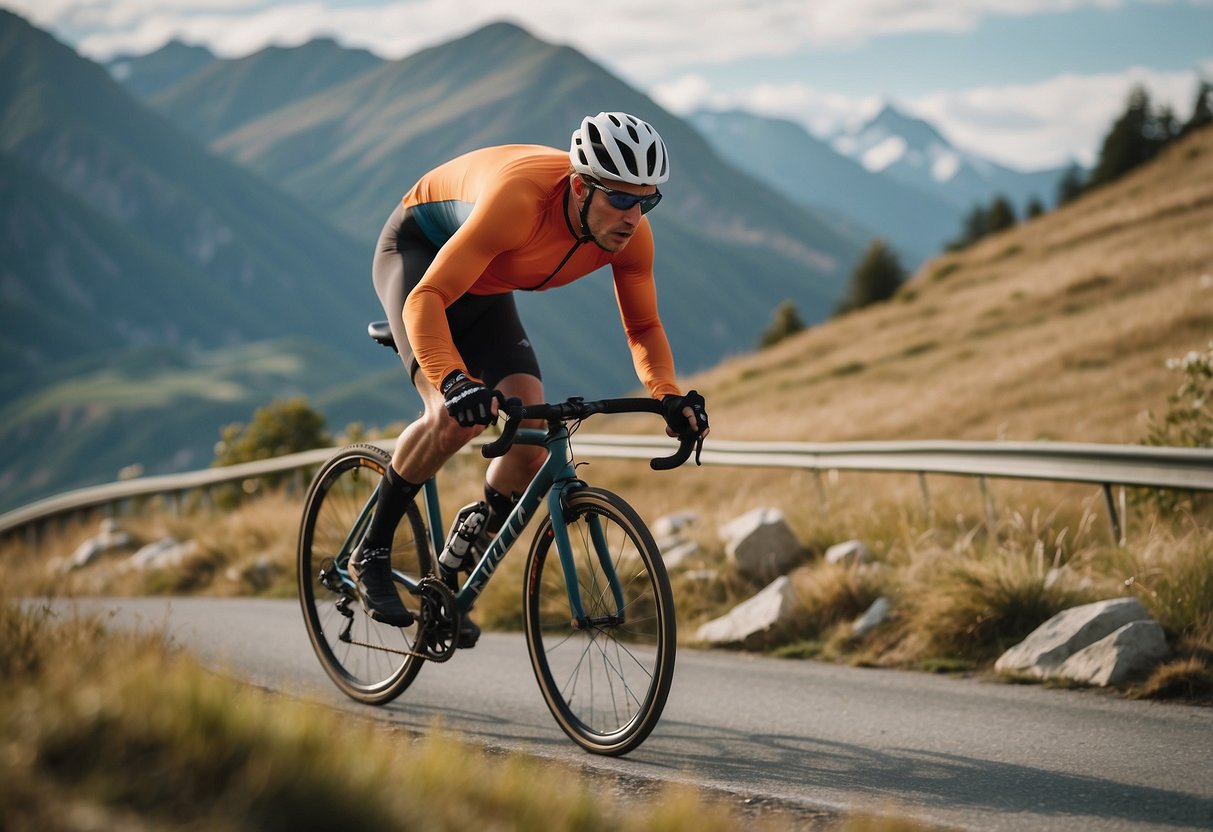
(469, 234)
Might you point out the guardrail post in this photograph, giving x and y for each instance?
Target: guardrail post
(988, 501)
(1113, 517)
(927, 509)
(823, 502)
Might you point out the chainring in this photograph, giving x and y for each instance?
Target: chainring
(439, 621)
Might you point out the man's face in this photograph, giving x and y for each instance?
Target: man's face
(611, 227)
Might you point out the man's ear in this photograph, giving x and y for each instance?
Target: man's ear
(577, 184)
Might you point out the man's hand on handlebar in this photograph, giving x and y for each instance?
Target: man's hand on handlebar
(576, 409)
(685, 414)
(468, 401)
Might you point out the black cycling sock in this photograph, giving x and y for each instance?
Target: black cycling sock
(395, 494)
(500, 506)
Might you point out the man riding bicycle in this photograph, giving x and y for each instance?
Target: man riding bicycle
(469, 234)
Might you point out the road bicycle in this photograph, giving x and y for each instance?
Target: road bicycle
(598, 610)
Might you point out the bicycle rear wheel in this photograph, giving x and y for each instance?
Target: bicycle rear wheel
(606, 681)
(367, 660)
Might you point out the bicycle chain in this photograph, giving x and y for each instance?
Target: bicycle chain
(429, 587)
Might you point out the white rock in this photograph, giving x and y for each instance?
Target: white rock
(761, 544)
(848, 553)
(259, 574)
(1131, 651)
(876, 615)
(110, 537)
(161, 554)
(679, 554)
(1066, 633)
(750, 620)
(672, 524)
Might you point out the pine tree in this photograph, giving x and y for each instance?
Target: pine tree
(1202, 109)
(1035, 208)
(1070, 187)
(786, 322)
(877, 277)
(976, 225)
(1001, 215)
(1135, 138)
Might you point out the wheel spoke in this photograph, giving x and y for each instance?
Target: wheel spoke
(369, 663)
(606, 683)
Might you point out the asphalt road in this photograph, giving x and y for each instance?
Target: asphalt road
(817, 737)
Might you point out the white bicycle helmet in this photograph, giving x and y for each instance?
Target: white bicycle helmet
(620, 147)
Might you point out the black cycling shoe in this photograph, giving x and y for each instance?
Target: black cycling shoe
(372, 574)
(469, 634)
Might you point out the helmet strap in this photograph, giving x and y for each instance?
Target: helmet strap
(586, 236)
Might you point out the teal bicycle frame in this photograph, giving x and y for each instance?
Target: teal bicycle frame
(556, 478)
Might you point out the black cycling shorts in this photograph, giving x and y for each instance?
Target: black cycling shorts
(486, 329)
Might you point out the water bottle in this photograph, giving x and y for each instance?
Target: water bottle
(468, 523)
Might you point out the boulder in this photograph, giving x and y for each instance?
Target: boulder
(1132, 651)
(1068, 632)
(167, 552)
(109, 537)
(257, 574)
(672, 524)
(876, 615)
(678, 554)
(850, 553)
(751, 621)
(761, 544)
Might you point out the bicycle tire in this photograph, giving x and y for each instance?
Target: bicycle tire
(606, 684)
(335, 501)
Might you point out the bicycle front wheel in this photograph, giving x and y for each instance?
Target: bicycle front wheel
(606, 677)
(369, 661)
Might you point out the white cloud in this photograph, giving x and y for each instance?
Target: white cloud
(637, 37)
(1048, 123)
(1029, 125)
(1026, 126)
(823, 113)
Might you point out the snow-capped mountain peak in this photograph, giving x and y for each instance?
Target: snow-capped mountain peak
(914, 152)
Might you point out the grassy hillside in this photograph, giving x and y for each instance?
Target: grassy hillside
(1058, 329)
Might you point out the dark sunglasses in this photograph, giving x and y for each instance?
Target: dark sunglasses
(623, 201)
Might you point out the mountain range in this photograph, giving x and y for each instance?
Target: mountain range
(911, 151)
(917, 223)
(164, 276)
(352, 147)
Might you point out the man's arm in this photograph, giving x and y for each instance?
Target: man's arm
(636, 294)
(491, 228)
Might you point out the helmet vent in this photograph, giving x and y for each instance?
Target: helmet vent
(621, 147)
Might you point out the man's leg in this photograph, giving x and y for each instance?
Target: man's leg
(422, 448)
(509, 475)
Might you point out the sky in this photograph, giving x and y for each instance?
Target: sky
(1028, 83)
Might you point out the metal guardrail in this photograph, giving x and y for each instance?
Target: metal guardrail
(1107, 465)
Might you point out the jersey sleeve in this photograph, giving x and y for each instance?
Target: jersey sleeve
(636, 294)
(499, 222)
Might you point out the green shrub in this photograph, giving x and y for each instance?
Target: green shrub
(1188, 422)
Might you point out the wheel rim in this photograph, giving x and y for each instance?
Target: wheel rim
(606, 683)
(373, 665)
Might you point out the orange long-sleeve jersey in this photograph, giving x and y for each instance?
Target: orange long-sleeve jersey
(498, 218)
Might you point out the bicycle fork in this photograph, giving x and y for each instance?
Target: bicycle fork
(556, 507)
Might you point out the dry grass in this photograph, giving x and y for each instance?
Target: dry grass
(106, 730)
(1172, 574)
(248, 550)
(1057, 329)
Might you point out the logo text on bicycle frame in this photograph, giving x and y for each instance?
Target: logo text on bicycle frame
(505, 538)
